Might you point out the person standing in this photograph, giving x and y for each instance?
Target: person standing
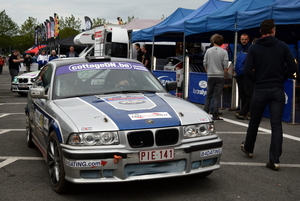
(216, 66)
(27, 62)
(14, 64)
(269, 63)
(2, 61)
(72, 52)
(139, 52)
(244, 84)
(42, 60)
(146, 58)
(53, 55)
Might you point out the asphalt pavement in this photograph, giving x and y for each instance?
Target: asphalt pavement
(24, 174)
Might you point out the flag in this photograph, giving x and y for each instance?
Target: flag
(88, 23)
(36, 36)
(56, 26)
(48, 29)
(51, 19)
(120, 20)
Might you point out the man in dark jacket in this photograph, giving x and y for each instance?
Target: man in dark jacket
(268, 64)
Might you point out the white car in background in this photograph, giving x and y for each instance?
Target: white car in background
(23, 83)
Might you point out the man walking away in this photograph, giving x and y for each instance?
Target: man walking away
(216, 65)
(268, 64)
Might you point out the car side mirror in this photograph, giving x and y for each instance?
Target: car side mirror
(171, 86)
(37, 93)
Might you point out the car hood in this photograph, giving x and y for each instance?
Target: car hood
(29, 75)
(130, 111)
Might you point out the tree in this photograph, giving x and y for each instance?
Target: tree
(99, 21)
(67, 32)
(28, 27)
(8, 28)
(70, 22)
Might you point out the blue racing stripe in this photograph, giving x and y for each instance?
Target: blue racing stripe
(124, 122)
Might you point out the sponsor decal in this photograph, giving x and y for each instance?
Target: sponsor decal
(203, 84)
(200, 92)
(85, 163)
(132, 102)
(46, 123)
(211, 152)
(150, 115)
(100, 66)
(164, 79)
(204, 119)
(86, 129)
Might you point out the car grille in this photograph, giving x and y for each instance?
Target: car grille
(23, 80)
(146, 138)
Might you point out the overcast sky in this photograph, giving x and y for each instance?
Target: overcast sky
(19, 11)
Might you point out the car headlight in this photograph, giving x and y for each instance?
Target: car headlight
(90, 139)
(15, 80)
(198, 130)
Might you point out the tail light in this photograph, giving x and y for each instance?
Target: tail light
(179, 66)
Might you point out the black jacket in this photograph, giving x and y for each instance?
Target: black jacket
(269, 63)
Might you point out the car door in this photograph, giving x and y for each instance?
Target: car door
(41, 116)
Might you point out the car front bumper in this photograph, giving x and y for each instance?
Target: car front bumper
(20, 87)
(121, 164)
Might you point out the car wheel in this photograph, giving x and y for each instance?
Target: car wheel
(55, 165)
(29, 141)
(22, 94)
(204, 174)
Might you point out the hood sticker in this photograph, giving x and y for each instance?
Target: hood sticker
(150, 115)
(129, 102)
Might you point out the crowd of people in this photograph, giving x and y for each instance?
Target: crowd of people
(261, 69)
(16, 60)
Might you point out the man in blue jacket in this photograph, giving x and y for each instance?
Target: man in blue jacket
(268, 64)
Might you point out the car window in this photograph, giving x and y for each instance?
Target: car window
(44, 77)
(103, 81)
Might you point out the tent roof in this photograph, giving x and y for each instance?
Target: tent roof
(205, 9)
(223, 19)
(147, 34)
(141, 23)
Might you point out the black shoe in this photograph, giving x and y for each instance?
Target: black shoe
(249, 155)
(273, 166)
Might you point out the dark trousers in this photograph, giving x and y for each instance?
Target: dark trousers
(13, 73)
(1, 69)
(245, 93)
(214, 91)
(275, 98)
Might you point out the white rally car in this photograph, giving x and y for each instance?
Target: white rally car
(22, 83)
(101, 120)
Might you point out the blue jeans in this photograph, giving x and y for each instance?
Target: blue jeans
(275, 98)
(214, 91)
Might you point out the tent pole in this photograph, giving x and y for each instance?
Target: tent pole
(234, 95)
(184, 91)
(152, 55)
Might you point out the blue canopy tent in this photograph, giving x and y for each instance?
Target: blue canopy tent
(223, 19)
(178, 27)
(146, 35)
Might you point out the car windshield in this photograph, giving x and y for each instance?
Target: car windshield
(89, 81)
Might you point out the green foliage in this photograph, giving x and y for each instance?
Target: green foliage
(67, 32)
(8, 28)
(70, 22)
(99, 21)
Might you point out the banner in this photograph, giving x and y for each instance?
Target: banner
(164, 77)
(51, 19)
(287, 112)
(197, 87)
(36, 36)
(120, 20)
(88, 23)
(48, 24)
(43, 32)
(56, 26)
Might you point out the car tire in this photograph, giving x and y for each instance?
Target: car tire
(56, 165)
(29, 141)
(24, 94)
(204, 174)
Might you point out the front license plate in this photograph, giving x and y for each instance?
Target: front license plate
(22, 85)
(156, 155)
(211, 152)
